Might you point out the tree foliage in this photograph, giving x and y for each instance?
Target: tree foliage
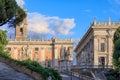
(117, 35)
(11, 13)
(116, 55)
(3, 40)
(114, 74)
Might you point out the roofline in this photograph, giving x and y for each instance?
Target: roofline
(86, 34)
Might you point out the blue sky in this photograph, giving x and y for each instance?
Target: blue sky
(82, 11)
(68, 18)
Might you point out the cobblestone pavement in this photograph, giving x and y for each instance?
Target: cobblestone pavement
(67, 77)
(7, 73)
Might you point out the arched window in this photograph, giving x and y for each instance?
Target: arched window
(21, 31)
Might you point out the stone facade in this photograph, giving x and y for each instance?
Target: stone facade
(95, 49)
(46, 52)
(66, 58)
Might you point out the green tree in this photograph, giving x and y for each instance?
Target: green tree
(117, 35)
(11, 13)
(3, 40)
(114, 74)
(116, 54)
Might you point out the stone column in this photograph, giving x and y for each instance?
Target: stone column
(96, 46)
(30, 54)
(110, 56)
(15, 54)
(55, 58)
(42, 57)
(81, 57)
(21, 54)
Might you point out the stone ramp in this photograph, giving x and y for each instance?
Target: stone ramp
(100, 76)
(69, 77)
(7, 73)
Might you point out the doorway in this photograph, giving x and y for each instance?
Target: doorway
(102, 61)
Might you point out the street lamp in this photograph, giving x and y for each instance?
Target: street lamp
(71, 74)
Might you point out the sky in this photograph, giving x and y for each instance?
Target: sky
(66, 18)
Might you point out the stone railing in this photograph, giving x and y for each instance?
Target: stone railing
(22, 69)
(106, 23)
(78, 75)
(91, 66)
(61, 41)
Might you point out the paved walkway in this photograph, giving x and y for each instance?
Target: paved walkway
(7, 73)
(67, 77)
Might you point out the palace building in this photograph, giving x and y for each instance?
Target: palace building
(56, 53)
(96, 47)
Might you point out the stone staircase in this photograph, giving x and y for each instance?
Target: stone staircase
(99, 76)
(8, 73)
(21, 69)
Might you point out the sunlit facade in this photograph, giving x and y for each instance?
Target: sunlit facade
(96, 47)
(46, 52)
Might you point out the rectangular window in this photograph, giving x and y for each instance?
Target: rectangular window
(102, 47)
(9, 49)
(36, 49)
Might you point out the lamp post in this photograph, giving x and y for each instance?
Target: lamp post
(71, 74)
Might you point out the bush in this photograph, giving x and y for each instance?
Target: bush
(112, 75)
(3, 40)
(34, 66)
(45, 72)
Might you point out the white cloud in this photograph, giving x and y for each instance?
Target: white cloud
(20, 2)
(49, 25)
(39, 24)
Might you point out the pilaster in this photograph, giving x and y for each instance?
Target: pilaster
(96, 44)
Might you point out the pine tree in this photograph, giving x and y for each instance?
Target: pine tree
(11, 13)
(115, 74)
(116, 55)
